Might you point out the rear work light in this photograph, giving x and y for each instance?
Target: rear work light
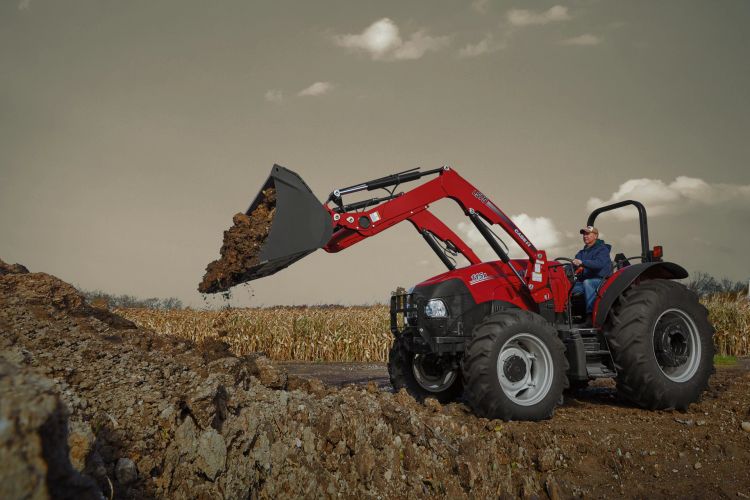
(657, 252)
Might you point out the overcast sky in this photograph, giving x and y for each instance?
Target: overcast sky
(131, 132)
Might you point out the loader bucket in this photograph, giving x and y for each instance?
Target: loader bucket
(300, 223)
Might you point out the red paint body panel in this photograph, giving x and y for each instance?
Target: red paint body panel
(495, 281)
(606, 284)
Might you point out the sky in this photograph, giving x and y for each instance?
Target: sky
(131, 132)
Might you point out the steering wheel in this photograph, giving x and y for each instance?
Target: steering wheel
(570, 268)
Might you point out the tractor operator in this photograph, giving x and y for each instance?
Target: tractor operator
(594, 259)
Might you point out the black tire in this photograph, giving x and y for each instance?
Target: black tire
(422, 375)
(676, 376)
(505, 333)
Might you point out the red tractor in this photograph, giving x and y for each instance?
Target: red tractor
(506, 336)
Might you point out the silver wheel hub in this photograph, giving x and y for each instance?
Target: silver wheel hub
(432, 373)
(677, 345)
(525, 369)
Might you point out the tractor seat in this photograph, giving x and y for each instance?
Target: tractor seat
(620, 262)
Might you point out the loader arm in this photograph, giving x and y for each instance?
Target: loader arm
(424, 220)
(351, 227)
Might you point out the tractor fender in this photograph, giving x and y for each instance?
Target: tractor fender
(620, 281)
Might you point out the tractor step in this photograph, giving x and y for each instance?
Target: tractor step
(600, 371)
(597, 353)
(589, 351)
(583, 332)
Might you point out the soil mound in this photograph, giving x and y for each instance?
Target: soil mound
(138, 415)
(49, 296)
(12, 268)
(241, 247)
(34, 450)
(154, 416)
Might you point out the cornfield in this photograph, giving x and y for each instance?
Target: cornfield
(357, 333)
(730, 316)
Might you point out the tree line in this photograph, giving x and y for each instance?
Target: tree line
(704, 285)
(97, 297)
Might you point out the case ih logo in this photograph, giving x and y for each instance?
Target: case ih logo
(478, 278)
(520, 235)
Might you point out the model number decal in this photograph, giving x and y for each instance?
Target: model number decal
(479, 196)
(479, 277)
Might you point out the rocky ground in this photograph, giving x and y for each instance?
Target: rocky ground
(92, 406)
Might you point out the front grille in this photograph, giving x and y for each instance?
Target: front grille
(404, 312)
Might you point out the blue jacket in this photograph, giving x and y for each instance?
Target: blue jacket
(596, 261)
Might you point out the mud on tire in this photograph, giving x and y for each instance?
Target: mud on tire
(514, 367)
(661, 344)
(423, 375)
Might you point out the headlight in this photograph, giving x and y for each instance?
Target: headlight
(435, 308)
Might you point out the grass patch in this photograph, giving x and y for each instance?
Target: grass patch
(725, 360)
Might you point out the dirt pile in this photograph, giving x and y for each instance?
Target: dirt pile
(12, 268)
(154, 416)
(149, 415)
(34, 440)
(241, 247)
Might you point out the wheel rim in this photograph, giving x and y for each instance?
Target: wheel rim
(431, 374)
(677, 346)
(525, 369)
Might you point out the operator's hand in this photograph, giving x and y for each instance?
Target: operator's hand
(577, 262)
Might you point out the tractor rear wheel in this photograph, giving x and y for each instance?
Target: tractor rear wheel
(661, 344)
(514, 367)
(424, 375)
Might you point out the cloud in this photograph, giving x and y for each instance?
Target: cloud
(378, 39)
(316, 89)
(582, 40)
(486, 45)
(24, 5)
(541, 231)
(679, 196)
(418, 45)
(274, 95)
(480, 6)
(383, 42)
(631, 240)
(524, 17)
(469, 233)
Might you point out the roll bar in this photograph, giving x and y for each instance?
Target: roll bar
(642, 222)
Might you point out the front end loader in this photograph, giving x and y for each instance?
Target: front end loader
(505, 336)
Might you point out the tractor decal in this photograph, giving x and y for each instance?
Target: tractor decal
(479, 277)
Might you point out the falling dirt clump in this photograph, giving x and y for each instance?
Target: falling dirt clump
(241, 248)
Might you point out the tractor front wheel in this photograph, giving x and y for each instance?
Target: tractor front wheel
(514, 367)
(424, 375)
(662, 346)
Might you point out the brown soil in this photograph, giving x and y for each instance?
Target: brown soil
(92, 406)
(241, 247)
(11, 268)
